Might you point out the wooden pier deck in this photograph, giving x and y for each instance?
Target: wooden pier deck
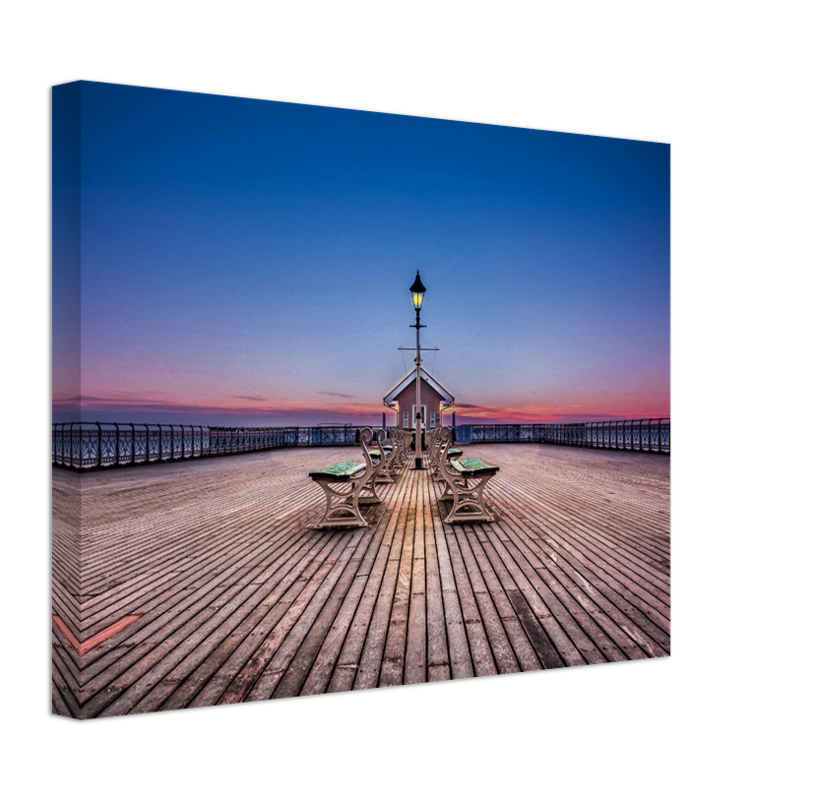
(204, 583)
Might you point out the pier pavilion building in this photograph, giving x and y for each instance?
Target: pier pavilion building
(435, 400)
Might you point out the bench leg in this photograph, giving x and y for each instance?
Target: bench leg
(468, 501)
(446, 492)
(342, 505)
(367, 494)
(384, 475)
(395, 470)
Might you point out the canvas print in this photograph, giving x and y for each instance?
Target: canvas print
(349, 400)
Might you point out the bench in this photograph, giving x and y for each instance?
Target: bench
(465, 481)
(389, 464)
(343, 483)
(383, 454)
(401, 441)
(397, 456)
(434, 444)
(434, 451)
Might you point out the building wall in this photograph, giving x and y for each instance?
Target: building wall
(431, 399)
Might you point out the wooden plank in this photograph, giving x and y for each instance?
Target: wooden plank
(502, 651)
(202, 588)
(217, 554)
(243, 683)
(598, 626)
(525, 655)
(393, 657)
(89, 644)
(203, 608)
(241, 599)
(478, 643)
(461, 663)
(416, 643)
(594, 566)
(312, 621)
(548, 654)
(325, 662)
(370, 659)
(437, 644)
(569, 540)
(300, 666)
(349, 661)
(249, 648)
(64, 681)
(233, 632)
(514, 581)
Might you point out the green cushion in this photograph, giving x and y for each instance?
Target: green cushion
(345, 469)
(473, 465)
(454, 451)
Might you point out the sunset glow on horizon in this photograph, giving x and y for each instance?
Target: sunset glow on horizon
(247, 262)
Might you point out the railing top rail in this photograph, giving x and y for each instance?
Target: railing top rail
(95, 424)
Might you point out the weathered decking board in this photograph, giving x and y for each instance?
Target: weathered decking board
(242, 599)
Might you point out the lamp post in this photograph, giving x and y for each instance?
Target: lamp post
(417, 296)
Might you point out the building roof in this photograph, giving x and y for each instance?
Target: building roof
(410, 378)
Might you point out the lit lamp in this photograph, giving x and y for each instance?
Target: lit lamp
(417, 295)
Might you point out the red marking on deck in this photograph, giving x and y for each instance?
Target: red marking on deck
(85, 647)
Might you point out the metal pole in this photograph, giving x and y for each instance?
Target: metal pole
(418, 420)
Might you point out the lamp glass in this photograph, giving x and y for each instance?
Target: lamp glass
(417, 291)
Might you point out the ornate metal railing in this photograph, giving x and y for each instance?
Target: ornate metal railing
(646, 435)
(89, 445)
(92, 445)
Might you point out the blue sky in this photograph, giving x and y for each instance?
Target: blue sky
(249, 261)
